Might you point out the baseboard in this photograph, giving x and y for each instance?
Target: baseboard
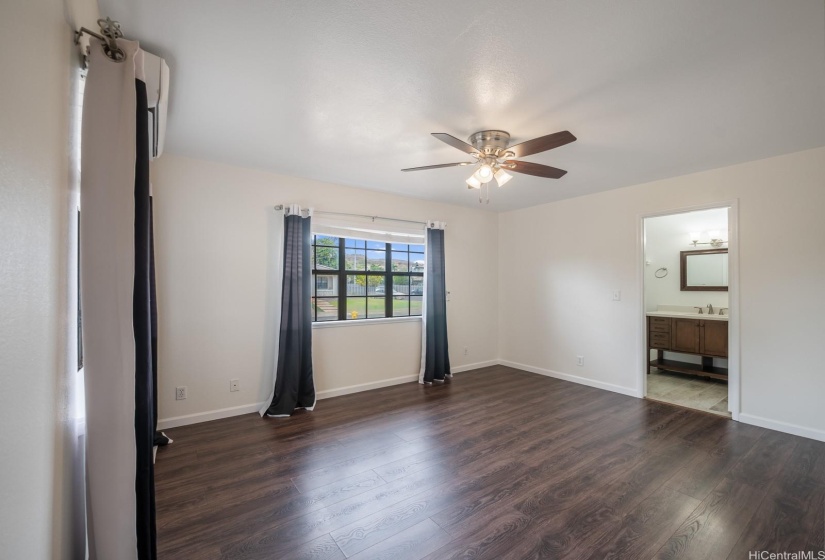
(198, 417)
(329, 393)
(477, 365)
(785, 427)
(573, 378)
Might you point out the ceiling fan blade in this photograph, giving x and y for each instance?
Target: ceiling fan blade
(542, 144)
(438, 166)
(536, 169)
(455, 142)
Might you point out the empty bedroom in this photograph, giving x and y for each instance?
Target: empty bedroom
(412, 280)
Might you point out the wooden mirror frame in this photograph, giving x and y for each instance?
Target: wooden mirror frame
(683, 271)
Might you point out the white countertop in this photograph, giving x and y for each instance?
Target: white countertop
(684, 312)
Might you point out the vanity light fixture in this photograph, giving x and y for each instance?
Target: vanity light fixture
(714, 235)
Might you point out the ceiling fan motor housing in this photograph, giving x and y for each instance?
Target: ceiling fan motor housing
(490, 142)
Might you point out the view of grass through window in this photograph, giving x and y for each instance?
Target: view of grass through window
(356, 279)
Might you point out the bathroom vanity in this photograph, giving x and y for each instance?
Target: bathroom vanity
(688, 333)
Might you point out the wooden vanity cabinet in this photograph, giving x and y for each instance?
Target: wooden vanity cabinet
(707, 339)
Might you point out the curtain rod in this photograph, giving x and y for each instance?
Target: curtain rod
(281, 207)
(109, 33)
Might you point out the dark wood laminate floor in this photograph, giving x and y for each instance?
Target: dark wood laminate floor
(499, 464)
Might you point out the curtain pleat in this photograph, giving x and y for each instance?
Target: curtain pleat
(435, 359)
(294, 385)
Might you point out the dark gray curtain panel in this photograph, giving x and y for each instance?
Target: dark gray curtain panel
(142, 310)
(294, 386)
(436, 356)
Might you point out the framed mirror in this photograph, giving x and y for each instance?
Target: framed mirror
(705, 270)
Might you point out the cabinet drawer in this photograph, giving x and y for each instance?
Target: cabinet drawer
(660, 324)
(659, 340)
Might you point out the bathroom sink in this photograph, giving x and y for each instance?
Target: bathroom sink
(687, 315)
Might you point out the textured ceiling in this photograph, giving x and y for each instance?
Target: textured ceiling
(348, 92)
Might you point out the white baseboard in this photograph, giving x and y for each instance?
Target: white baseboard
(573, 378)
(198, 417)
(329, 393)
(477, 365)
(785, 427)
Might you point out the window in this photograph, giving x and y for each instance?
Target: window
(354, 279)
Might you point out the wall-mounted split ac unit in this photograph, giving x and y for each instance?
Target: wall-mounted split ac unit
(157, 89)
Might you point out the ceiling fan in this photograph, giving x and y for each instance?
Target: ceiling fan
(494, 157)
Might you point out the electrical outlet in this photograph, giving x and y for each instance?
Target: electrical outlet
(180, 393)
(233, 385)
(617, 295)
(579, 360)
(466, 350)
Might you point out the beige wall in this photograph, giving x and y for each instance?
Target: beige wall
(40, 70)
(583, 248)
(214, 242)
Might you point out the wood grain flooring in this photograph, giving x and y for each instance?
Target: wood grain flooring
(499, 464)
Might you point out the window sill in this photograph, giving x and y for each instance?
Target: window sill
(362, 322)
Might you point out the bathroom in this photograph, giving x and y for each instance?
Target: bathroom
(686, 305)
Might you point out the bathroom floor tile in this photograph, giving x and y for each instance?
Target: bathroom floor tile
(710, 395)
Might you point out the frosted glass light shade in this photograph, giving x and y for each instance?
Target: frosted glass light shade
(502, 177)
(694, 237)
(473, 183)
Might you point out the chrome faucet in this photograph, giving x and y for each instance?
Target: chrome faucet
(710, 309)
(722, 311)
(699, 308)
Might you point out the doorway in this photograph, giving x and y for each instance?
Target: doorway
(689, 312)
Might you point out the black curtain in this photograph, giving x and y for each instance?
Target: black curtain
(142, 321)
(437, 355)
(294, 386)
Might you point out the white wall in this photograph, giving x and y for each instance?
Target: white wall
(581, 249)
(665, 238)
(214, 274)
(39, 69)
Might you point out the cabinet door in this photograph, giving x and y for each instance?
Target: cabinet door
(715, 338)
(685, 335)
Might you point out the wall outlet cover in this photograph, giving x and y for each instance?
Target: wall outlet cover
(180, 393)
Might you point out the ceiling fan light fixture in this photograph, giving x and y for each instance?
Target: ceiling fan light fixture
(502, 177)
(473, 183)
(484, 173)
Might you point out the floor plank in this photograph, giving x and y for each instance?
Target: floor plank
(498, 464)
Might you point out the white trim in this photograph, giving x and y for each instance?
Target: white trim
(477, 365)
(329, 393)
(198, 417)
(793, 429)
(734, 378)
(632, 392)
(362, 322)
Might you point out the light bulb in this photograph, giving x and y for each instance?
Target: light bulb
(714, 234)
(502, 177)
(694, 237)
(484, 173)
(473, 183)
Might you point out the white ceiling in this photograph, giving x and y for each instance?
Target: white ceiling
(348, 92)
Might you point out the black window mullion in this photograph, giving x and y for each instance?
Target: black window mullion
(388, 280)
(342, 280)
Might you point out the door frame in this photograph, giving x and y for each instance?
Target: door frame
(734, 377)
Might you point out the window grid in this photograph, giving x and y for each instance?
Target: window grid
(349, 277)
